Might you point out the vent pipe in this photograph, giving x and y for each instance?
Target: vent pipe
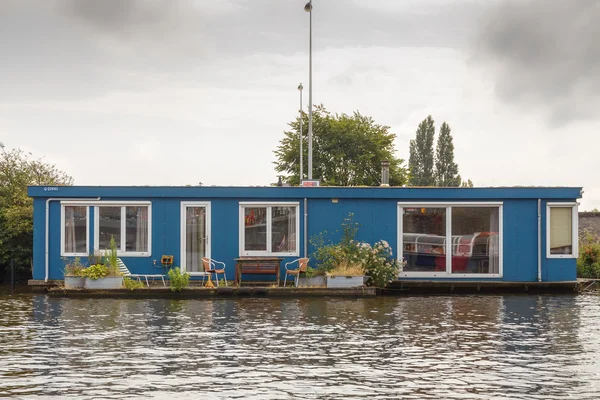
(385, 173)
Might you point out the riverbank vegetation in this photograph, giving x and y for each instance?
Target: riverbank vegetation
(588, 262)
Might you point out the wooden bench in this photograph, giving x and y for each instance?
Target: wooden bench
(258, 266)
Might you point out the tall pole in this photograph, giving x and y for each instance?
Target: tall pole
(301, 155)
(308, 7)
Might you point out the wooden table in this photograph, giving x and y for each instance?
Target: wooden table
(257, 265)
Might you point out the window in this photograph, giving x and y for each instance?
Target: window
(74, 231)
(562, 230)
(458, 240)
(130, 225)
(269, 229)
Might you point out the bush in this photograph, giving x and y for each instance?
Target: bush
(74, 267)
(132, 284)
(588, 262)
(96, 271)
(349, 257)
(178, 280)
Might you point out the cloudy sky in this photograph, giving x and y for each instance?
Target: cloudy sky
(175, 92)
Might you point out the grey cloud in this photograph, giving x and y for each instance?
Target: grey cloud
(76, 48)
(545, 54)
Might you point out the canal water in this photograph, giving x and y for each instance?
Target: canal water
(438, 347)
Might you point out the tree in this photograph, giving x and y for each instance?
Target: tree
(467, 184)
(347, 150)
(17, 171)
(446, 170)
(421, 160)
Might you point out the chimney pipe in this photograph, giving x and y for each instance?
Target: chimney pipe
(385, 174)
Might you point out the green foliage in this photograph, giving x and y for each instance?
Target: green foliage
(17, 171)
(351, 257)
(380, 264)
(96, 271)
(588, 262)
(111, 257)
(446, 170)
(421, 159)
(178, 280)
(73, 267)
(347, 150)
(132, 284)
(328, 254)
(467, 184)
(95, 258)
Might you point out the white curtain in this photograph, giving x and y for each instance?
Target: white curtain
(141, 231)
(195, 238)
(70, 242)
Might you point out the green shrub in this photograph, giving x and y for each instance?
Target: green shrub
(132, 284)
(349, 256)
(588, 262)
(73, 267)
(178, 280)
(96, 271)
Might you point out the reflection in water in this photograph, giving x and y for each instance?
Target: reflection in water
(536, 347)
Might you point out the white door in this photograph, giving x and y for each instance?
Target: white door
(195, 235)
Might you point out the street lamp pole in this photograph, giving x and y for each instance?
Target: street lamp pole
(300, 87)
(308, 8)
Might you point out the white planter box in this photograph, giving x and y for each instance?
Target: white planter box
(110, 282)
(74, 282)
(345, 281)
(313, 281)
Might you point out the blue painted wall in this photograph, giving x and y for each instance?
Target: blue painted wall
(374, 209)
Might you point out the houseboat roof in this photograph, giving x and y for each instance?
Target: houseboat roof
(295, 192)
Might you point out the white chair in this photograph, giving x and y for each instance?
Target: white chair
(302, 267)
(125, 271)
(210, 266)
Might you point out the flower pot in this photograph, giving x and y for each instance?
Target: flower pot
(110, 282)
(312, 281)
(74, 282)
(345, 281)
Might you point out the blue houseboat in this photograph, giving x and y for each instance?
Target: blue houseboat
(517, 234)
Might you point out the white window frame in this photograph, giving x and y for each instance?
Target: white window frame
(63, 253)
(448, 206)
(574, 229)
(185, 204)
(122, 204)
(269, 251)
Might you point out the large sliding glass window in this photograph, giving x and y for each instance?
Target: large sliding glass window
(74, 233)
(269, 229)
(424, 239)
(562, 230)
(451, 239)
(475, 240)
(129, 225)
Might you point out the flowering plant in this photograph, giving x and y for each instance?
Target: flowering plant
(375, 261)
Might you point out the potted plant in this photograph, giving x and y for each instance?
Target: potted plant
(104, 274)
(73, 271)
(346, 274)
(313, 277)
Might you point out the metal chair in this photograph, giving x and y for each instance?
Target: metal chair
(210, 266)
(302, 267)
(125, 272)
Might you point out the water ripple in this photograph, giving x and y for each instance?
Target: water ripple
(472, 347)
